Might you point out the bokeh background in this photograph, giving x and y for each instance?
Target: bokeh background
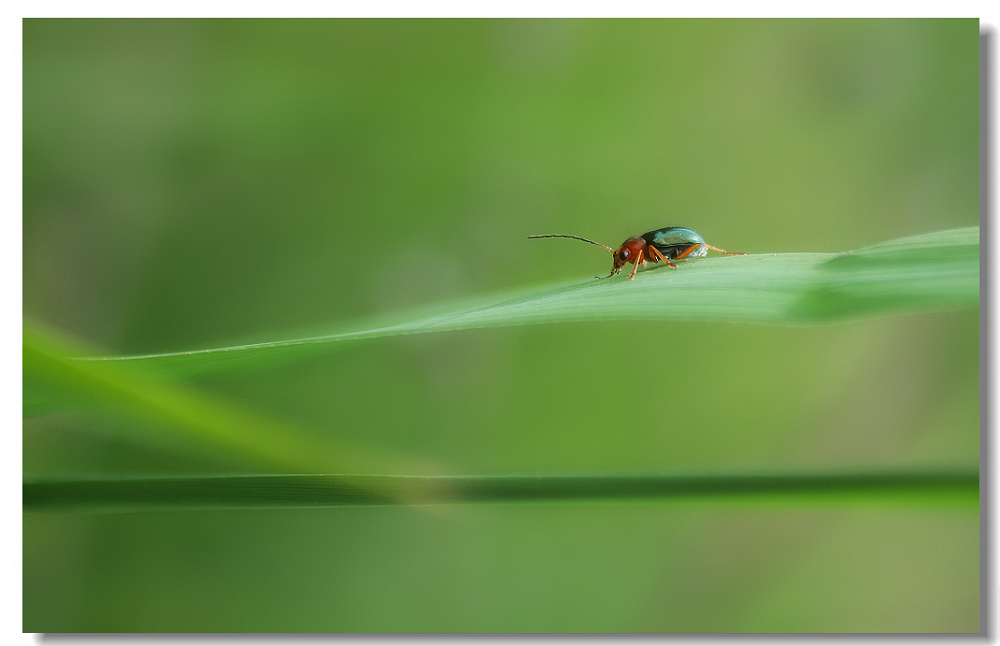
(200, 183)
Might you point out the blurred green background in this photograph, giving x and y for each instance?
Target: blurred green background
(200, 183)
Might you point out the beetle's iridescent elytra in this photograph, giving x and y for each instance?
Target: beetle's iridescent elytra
(669, 243)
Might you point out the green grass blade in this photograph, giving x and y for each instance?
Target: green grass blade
(952, 488)
(932, 271)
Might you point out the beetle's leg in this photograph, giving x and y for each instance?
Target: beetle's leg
(728, 253)
(656, 254)
(681, 255)
(638, 261)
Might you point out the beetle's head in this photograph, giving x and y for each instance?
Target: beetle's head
(630, 252)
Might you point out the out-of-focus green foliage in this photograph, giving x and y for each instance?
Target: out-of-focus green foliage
(197, 422)
(209, 184)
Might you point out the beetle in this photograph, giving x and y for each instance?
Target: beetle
(669, 243)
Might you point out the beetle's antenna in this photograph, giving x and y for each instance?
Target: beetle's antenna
(559, 235)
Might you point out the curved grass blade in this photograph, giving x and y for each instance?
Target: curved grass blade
(951, 488)
(934, 271)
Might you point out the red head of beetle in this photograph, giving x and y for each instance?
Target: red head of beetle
(632, 251)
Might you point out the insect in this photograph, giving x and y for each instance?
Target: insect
(669, 243)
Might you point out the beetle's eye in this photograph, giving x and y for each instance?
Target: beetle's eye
(623, 254)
